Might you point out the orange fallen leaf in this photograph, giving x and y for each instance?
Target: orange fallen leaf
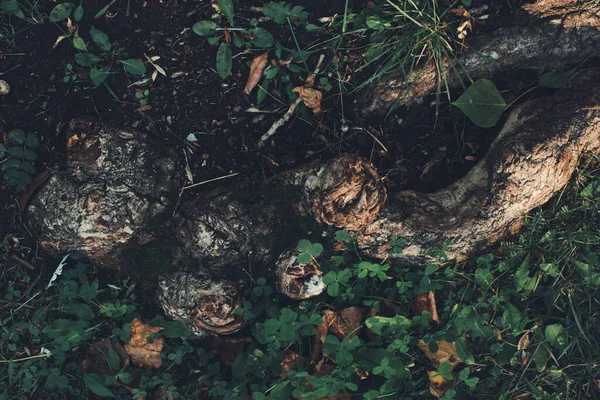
(144, 354)
(311, 98)
(437, 384)
(227, 35)
(426, 302)
(256, 71)
(144, 108)
(446, 353)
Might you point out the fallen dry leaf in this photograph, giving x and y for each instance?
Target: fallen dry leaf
(446, 353)
(426, 302)
(438, 385)
(142, 353)
(311, 98)
(96, 357)
(256, 71)
(523, 342)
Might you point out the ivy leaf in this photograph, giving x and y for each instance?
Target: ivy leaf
(224, 60)
(204, 28)
(101, 39)
(226, 7)
(482, 103)
(60, 12)
(97, 386)
(133, 66)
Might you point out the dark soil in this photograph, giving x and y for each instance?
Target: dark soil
(413, 148)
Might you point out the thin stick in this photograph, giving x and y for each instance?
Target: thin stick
(211, 180)
(310, 81)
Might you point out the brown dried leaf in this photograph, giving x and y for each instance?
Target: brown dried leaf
(228, 348)
(256, 71)
(438, 385)
(523, 342)
(311, 98)
(142, 353)
(340, 324)
(426, 302)
(446, 353)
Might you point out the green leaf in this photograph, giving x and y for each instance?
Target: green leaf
(343, 357)
(556, 335)
(101, 39)
(78, 14)
(86, 59)
(272, 326)
(79, 43)
(287, 333)
(556, 80)
(99, 75)
(333, 289)
(81, 310)
(204, 28)
(113, 358)
(224, 60)
(592, 191)
(226, 7)
(103, 10)
(60, 12)
(9, 5)
(313, 28)
(125, 377)
(95, 383)
(484, 277)
(133, 66)
(262, 38)
(482, 103)
(287, 316)
(174, 329)
(463, 352)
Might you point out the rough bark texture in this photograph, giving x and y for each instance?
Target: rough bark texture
(548, 35)
(115, 183)
(532, 158)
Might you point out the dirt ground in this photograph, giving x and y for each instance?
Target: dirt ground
(414, 149)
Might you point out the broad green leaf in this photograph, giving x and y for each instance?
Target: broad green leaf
(588, 272)
(226, 7)
(343, 357)
(556, 80)
(174, 329)
(78, 14)
(79, 43)
(592, 191)
(204, 28)
(484, 277)
(482, 103)
(113, 358)
(261, 93)
(9, 5)
(272, 326)
(86, 59)
(287, 316)
(287, 333)
(262, 38)
(333, 289)
(463, 352)
(101, 39)
(224, 60)
(556, 335)
(95, 383)
(99, 75)
(60, 12)
(133, 66)
(81, 310)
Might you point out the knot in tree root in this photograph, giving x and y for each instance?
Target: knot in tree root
(207, 305)
(347, 193)
(296, 280)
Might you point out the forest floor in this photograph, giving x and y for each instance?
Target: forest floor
(218, 127)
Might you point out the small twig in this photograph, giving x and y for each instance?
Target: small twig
(211, 180)
(310, 81)
(21, 261)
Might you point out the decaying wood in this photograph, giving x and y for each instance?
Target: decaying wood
(547, 35)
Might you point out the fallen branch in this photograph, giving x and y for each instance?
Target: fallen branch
(310, 81)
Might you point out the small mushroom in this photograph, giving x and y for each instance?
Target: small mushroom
(347, 193)
(206, 305)
(296, 280)
(4, 88)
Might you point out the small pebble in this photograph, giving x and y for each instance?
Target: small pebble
(4, 88)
